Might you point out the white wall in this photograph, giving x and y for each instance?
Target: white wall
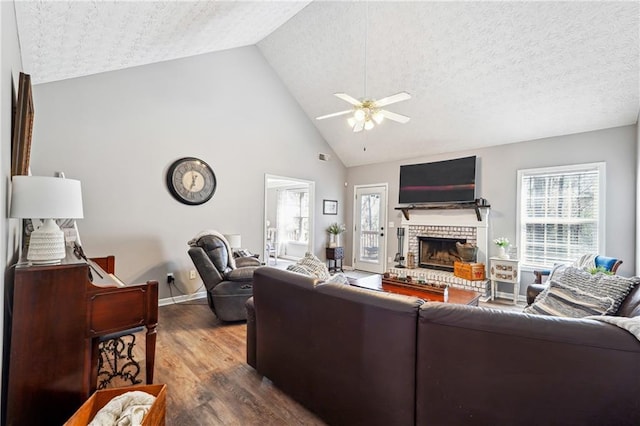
(119, 131)
(496, 181)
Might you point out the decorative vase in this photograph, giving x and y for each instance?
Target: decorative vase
(333, 240)
(502, 252)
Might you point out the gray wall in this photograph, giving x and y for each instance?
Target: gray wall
(11, 65)
(118, 132)
(496, 180)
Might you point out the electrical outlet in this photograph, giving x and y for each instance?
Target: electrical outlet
(391, 224)
(192, 274)
(170, 278)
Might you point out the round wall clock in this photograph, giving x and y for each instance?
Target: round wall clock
(191, 181)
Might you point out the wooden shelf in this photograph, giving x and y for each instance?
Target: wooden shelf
(454, 206)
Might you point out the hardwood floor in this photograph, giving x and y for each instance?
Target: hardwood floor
(203, 363)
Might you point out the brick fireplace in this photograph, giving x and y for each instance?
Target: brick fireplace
(440, 229)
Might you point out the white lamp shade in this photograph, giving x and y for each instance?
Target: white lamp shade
(42, 197)
(234, 240)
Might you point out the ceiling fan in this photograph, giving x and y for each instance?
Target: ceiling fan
(368, 112)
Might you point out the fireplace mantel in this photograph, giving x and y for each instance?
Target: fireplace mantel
(455, 206)
(458, 217)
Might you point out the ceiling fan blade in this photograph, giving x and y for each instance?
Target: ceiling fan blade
(358, 126)
(395, 117)
(347, 98)
(402, 96)
(335, 114)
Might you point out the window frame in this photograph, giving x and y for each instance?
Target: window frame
(600, 167)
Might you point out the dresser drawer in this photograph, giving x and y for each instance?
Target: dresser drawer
(504, 271)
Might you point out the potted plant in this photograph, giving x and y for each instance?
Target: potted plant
(502, 244)
(334, 231)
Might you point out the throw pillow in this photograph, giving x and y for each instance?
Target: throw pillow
(315, 266)
(599, 285)
(565, 301)
(299, 269)
(556, 268)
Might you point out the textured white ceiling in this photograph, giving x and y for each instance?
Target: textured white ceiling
(481, 73)
(65, 39)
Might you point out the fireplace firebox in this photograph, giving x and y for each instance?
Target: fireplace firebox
(438, 253)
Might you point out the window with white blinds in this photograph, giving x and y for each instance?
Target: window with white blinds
(561, 213)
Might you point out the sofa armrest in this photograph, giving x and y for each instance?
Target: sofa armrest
(539, 274)
(207, 270)
(533, 290)
(241, 262)
(470, 359)
(251, 333)
(244, 274)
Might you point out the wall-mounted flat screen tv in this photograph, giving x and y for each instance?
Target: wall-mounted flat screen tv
(449, 181)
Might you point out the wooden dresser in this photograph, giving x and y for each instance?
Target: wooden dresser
(56, 316)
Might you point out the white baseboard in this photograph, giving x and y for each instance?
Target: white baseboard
(182, 298)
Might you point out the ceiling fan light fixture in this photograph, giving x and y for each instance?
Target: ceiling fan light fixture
(351, 121)
(368, 125)
(359, 114)
(378, 117)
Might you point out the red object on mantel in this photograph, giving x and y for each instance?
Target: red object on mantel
(57, 316)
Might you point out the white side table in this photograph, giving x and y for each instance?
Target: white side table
(506, 271)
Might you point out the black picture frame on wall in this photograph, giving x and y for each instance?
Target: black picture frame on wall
(329, 206)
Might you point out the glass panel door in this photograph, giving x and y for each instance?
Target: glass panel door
(370, 233)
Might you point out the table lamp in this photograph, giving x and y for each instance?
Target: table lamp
(46, 198)
(234, 240)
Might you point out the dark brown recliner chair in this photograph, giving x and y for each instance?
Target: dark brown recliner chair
(229, 282)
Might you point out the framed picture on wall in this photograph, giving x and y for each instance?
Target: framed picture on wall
(329, 207)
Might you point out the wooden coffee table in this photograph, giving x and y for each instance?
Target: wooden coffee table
(455, 295)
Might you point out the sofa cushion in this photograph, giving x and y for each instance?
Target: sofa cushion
(565, 301)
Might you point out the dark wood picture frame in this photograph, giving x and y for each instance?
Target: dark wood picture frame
(22, 128)
(329, 206)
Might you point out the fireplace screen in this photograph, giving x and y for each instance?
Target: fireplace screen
(438, 253)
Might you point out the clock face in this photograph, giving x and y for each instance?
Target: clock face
(191, 181)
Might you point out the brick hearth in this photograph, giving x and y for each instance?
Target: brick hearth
(445, 278)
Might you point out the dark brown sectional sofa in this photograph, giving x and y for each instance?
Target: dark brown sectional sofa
(356, 356)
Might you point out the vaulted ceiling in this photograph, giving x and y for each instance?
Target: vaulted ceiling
(480, 73)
